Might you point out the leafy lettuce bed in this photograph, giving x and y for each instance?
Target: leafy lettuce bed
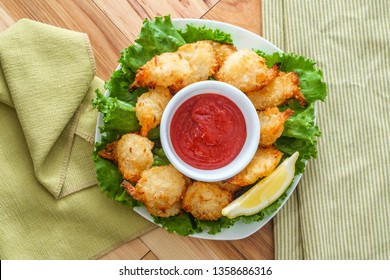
(158, 36)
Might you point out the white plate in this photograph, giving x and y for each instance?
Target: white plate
(241, 39)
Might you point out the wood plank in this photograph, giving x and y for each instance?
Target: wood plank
(242, 13)
(259, 246)
(150, 256)
(169, 246)
(132, 250)
(128, 15)
(79, 15)
(5, 19)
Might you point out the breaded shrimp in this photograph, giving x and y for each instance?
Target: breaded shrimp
(272, 124)
(246, 70)
(134, 155)
(205, 201)
(109, 152)
(278, 91)
(228, 186)
(161, 189)
(222, 51)
(149, 108)
(202, 61)
(163, 70)
(262, 164)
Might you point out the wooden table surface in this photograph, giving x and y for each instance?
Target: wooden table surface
(112, 26)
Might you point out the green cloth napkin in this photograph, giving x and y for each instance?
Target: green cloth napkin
(50, 205)
(340, 209)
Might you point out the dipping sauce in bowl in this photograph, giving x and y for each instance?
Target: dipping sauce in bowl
(210, 131)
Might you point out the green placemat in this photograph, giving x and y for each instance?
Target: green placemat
(341, 207)
(50, 205)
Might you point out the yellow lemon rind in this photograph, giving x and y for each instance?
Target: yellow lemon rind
(234, 209)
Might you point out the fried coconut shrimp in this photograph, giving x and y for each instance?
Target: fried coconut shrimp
(161, 189)
(149, 108)
(134, 155)
(205, 201)
(246, 70)
(262, 164)
(109, 152)
(165, 70)
(222, 51)
(272, 124)
(228, 186)
(202, 61)
(278, 91)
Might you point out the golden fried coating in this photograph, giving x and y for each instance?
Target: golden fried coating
(161, 189)
(222, 51)
(272, 124)
(163, 70)
(278, 91)
(109, 152)
(228, 186)
(205, 201)
(246, 70)
(149, 108)
(263, 163)
(202, 61)
(134, 155)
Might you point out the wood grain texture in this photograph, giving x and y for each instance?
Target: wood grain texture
(112, 26)
(119, 11)
(172, 246)
(258, 246)
(242, 13)
(5, 19)
(134, 250)
(150, 256)
(79, 15)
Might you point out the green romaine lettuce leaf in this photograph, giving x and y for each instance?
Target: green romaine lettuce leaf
(157, 36)
(301, 125)
(118, 115)
(119, 83)
(183, 224)
(110, 180)
(300, 134)
(310, 78)
(193, 34)
(159, 157)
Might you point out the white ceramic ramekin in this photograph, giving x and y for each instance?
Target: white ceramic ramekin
(252, 128)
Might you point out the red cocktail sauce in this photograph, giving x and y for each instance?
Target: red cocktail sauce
(208, 131)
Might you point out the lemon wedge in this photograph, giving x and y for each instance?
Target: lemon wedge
(265, 192)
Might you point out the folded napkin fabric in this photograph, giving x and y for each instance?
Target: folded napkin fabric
(48, 111)
(50, 205)
(340, 209)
